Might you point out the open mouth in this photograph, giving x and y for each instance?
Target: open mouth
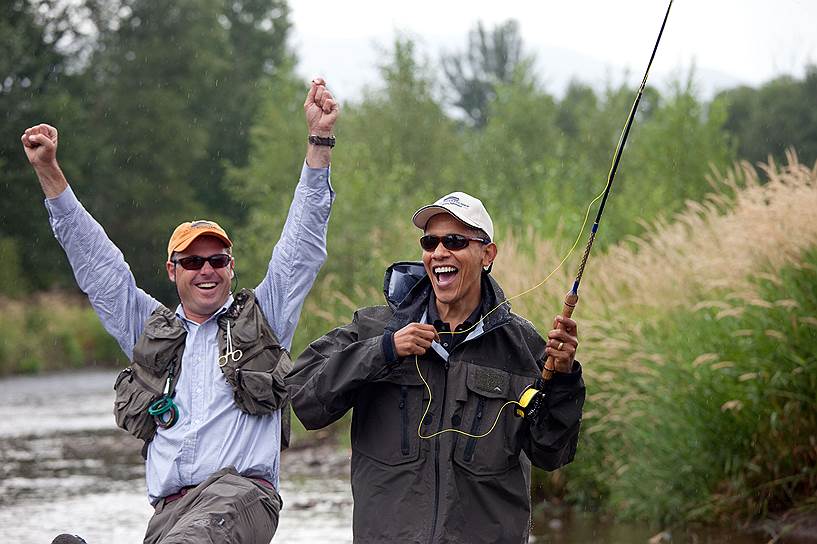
(445, 275)
(207, 285)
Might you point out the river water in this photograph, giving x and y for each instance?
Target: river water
(65, 467)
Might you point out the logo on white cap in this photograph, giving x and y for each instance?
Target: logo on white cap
(461, 205)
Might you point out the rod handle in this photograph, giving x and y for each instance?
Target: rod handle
(571, 299)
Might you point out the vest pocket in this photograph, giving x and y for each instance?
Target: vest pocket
(133, 396)
(258, 384)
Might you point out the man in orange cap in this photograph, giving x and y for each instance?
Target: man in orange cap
(205, 388)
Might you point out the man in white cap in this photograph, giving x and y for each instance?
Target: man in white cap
(205, 389)
(437, 452)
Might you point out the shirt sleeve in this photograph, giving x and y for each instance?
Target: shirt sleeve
(298, 255)
(100, 270)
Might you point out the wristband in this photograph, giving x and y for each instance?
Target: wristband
(319, 140)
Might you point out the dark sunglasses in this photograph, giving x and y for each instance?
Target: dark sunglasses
(451, 242)
(195, 262)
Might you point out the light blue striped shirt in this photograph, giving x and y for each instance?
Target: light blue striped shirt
(212, 432)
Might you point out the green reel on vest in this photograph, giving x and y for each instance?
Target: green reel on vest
(164, 411)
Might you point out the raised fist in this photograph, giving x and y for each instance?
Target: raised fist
(40, 145)
(321, 109)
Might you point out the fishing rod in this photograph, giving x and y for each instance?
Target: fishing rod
(530, 403)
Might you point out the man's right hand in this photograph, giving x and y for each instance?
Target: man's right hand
(414, 339)
(321, 111)
(40, 145)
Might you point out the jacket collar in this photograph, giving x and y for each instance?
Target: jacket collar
(412, 306)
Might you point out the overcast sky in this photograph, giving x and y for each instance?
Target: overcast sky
(729, 41)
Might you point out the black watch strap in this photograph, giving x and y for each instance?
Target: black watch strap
(319, 140)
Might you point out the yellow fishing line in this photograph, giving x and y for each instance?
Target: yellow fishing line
(428, 406)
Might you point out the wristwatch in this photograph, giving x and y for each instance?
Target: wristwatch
(320, 140)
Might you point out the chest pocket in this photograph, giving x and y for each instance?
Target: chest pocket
(384, 422)
(487, 391)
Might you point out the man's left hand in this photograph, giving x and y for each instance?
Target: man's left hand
(562, 343)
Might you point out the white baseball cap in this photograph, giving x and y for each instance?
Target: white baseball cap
(461, 205)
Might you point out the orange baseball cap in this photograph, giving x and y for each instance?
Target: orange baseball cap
(185, 233)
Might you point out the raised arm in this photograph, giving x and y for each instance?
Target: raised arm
(301, 251)
(98, 265)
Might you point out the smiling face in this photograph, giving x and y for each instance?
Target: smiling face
(455, 275)
(202, 292)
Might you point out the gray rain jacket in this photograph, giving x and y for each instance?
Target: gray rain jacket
(450, 488)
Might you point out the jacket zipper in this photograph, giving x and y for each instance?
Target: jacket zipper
(472, 442)
(437, 458)
(404, 440)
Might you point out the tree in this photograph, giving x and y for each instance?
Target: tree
(778, 115)
(173, 98)
(255, 49)
(492, 58)
(34, 87)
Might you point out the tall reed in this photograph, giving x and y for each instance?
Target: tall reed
(700, 349)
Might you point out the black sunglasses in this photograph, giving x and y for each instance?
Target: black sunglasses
(195, 262)
(451, 242)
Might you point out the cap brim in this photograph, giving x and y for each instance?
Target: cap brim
(184, 244)
(425, 213)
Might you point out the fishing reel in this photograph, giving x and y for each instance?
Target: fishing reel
(532, 401)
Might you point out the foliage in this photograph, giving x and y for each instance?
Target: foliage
(700, 349)
(151, 109)
(34, 83)
(769, 120)
(52, 332)
(491, 59)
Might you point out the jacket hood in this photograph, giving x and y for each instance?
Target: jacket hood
(400, 278)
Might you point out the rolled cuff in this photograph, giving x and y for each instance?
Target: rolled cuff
(316, 178)
(62, 204)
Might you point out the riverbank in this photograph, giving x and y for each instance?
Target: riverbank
(48, 332)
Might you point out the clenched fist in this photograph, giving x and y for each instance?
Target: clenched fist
(414, 339)
(40, 145)
(321, 109)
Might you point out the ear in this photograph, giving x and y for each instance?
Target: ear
(171, 271)
(232, 268)
(489, 254)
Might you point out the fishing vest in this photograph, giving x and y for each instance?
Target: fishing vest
(256, 377)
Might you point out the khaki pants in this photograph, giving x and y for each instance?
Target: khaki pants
(226, 507)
